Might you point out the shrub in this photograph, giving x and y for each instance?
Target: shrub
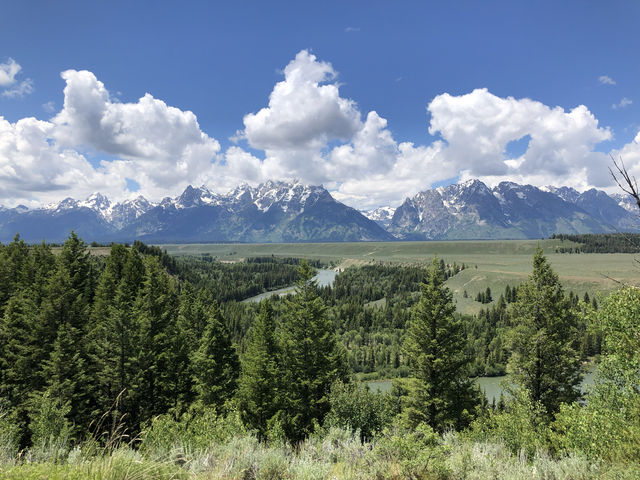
(356, 408)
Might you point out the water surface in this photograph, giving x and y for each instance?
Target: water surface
(491, 386)
(323, 277)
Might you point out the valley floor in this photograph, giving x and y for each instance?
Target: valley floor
(496, 263)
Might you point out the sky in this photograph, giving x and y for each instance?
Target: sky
(375, 100)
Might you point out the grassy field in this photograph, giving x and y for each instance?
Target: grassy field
(491, 263)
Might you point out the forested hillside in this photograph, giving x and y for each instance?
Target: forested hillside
(137, 356)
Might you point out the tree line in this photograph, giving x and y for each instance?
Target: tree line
(599, 242)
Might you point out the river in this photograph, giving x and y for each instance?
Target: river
(489, 385)
(323, 277)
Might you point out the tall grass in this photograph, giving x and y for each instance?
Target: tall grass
(330, 454)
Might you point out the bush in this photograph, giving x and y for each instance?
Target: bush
(608, 426)
(356, 408)
(194, 431)
(9, 438)
(520, 427)
(414, 453)
(50, 429)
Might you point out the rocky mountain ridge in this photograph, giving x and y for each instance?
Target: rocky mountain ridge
(277, 211)
(471, 210)
(271, 212)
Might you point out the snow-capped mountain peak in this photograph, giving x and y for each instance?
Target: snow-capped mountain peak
(381, 215)
(97, 202)
(509, 210)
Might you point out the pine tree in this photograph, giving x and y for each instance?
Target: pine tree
(444, 395)
(311, 357)
(64, 325)
(155, 314)
(259, 384)
(111, 345)
(20, 356)
(215, 363)
(544, 359)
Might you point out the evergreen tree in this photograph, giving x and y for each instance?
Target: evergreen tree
(444, 395)
(155, 315)
(113, 330)
(544, 359)
(20, 354)
(311, 357)
(14, 260)
(259, 384)
(215, 363)
(64, 325)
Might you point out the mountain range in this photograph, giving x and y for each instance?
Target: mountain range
(293, 212)
(471, 210)
(271, 212)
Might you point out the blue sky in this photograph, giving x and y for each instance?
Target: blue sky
(222, 60)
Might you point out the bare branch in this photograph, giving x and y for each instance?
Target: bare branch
(626, 182)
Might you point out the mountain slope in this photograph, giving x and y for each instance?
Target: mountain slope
(271, 212)
(508, 211)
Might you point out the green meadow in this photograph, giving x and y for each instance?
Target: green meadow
(493, 264)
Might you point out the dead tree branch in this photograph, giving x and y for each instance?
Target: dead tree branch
(625, 181)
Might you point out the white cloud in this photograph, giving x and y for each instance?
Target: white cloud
(49, 107)
(606, 80)
(305, 111)
(630, 156)
(478, 127)
(306, 131)
(624, 102)
(162, 144)
(159, 146)
(8, 72)
(23, 88)
(32, 170)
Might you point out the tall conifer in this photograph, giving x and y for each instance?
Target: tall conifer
(215, 363)
(311, 358)
(444, 395)
(260, 382)
(545, 361)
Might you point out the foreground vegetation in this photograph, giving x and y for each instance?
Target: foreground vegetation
(138, 365)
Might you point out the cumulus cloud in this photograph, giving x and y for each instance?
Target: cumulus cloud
(606, 80)
(159, 146)
(33, 171)
(305, 111)
(478, 126)
(306, 130)
(624, 102)
(163, 144)
(630, 156)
